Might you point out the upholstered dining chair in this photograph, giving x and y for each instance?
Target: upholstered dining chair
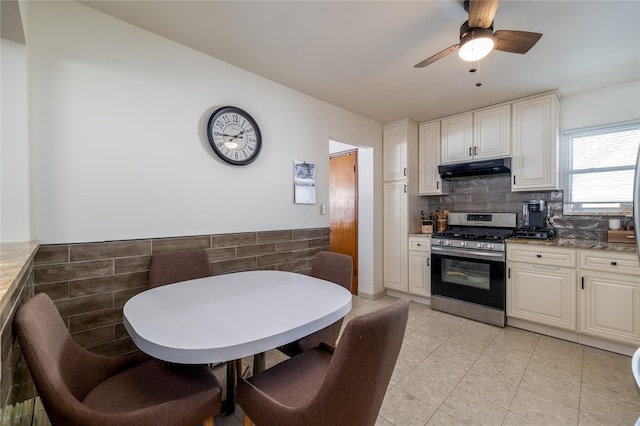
(323, 386)
(170, 267)
(334, 267)
(80, 388)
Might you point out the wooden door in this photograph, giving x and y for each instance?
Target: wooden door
(343, 207)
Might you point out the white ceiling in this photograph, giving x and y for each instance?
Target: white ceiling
(360, 55)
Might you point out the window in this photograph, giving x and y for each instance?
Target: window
(599, 166)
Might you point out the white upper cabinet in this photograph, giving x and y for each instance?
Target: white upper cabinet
(429, 155)
(478, 135)
(457, 138)
(491, 132)
(394, 155)
(535, 164)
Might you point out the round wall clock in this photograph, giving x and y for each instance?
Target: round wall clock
(234, 136)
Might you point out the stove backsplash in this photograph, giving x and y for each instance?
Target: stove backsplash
(494, 194)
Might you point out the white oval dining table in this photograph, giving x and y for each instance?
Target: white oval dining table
(228, 317)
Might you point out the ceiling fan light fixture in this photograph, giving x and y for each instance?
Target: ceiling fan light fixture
(476, 44)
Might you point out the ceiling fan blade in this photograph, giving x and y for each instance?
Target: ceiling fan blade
(515, 41)
(482, 12)
(437, 56)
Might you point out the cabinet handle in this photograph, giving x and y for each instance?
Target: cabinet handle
(405, 189)
(437, 184)
(583, 283)
(475, 150)
(405, 171)
(509, 273)
(469, 151)
(538, 255)
(614, 263)
(514, 179)
(547, 268)
(428, 263)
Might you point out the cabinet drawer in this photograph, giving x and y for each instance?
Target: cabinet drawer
(610, 261)
(420, 243)
(541, 255)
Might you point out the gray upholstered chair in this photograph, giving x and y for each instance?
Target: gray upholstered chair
(334, 267)
(80, 388)
(170, 267)
(319, 387)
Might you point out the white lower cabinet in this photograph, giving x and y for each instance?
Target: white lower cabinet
(594, 293)
(610, 296)
(420, 266)
(541, 285)
(395, 235)
(542, 294)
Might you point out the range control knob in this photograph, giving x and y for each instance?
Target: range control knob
(449, 242)
(480, 245)
(463, 244)
(490, 246)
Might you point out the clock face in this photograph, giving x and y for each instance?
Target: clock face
(234, 136)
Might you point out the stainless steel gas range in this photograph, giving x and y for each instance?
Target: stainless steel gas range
(468, 273)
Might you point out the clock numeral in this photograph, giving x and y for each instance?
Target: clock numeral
(220, 124)
(252, 140)
(235, 118)
(226, 119)
(250, 130)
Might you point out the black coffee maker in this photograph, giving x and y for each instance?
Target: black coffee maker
(534, 214)
(535, 221)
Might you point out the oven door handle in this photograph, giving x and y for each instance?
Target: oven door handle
(471, 254)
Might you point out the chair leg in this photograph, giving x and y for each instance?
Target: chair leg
(247, 421)
(208, 422)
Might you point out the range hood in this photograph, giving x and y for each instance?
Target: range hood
(499, 166)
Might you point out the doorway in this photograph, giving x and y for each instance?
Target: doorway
(343, 207)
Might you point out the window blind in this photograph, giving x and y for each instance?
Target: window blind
(599, 166)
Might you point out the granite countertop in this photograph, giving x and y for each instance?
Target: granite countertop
(564, 242)
(14, 262)
(575, 243)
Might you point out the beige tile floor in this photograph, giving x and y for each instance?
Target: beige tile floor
(454, 371)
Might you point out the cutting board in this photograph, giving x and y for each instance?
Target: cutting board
(625, 237)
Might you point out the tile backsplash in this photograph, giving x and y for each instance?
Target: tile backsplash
(91, 282)
(494, 194)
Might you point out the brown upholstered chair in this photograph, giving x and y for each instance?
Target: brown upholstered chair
(334, 267)
(321, 388)
(80, 388)
(170, 267)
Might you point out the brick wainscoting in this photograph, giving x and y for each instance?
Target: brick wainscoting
(91, 282)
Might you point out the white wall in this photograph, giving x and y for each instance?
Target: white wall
(119, 148)
(14, 144)
(605, 106)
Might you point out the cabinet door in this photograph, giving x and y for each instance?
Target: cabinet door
(429, 158)
(395, 236)
(535, 162)
(492, 132)
(420, 273)
(457, 138)
(610, 307)
(394, 153)
(542, 294)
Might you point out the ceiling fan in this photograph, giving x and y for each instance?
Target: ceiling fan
(477, 38)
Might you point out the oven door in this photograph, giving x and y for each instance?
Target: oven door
(476, 277)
